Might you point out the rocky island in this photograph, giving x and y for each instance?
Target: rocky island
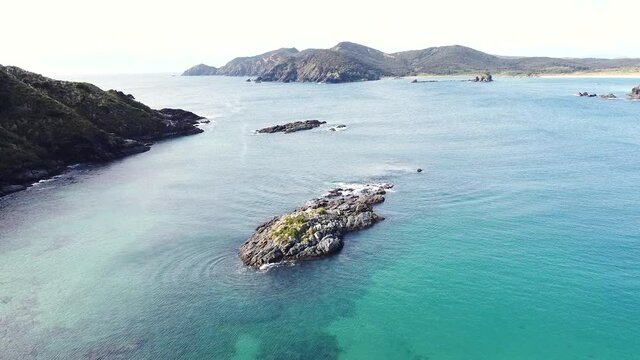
(46, 125)
(483, 78)
(315, 229)
(292, 127)
(635, 93)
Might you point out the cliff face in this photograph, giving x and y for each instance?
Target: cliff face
(47, 124)
(321, 66)
(256, 65)
(348, 61)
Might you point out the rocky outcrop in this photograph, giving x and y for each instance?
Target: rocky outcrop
(46, 125)
(200, 70)
(635, 93)
(483, 78)
(608, 96)
(315, 229)
(292, 127)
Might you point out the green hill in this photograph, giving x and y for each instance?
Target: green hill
(46, 125)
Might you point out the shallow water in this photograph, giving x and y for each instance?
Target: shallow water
(520, 240)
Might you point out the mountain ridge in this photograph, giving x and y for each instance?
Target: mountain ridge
(348, 61)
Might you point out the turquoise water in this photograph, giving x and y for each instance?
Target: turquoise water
(520, 240)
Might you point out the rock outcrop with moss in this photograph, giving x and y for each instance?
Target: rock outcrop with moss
(315, 229)
(47, 124)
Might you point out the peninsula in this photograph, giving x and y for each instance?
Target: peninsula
(46, 125)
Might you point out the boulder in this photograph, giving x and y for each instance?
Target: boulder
(635, 93)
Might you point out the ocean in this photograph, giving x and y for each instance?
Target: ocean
(519, 240)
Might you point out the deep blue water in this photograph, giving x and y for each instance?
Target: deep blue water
(520, 240)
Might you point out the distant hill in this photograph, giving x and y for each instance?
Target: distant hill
(200, 70)
(348, 62)
(47, 124)
(257, 65)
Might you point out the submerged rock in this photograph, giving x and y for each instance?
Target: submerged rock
(338, 127)
(608, 96)
(315, 229)
(292, 127)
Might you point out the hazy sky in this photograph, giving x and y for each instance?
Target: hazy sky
(127, 36)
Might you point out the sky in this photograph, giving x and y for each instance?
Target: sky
(143, 36)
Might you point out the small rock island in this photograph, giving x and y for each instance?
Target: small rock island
(292, 127)
(635, 93)
(487, 77)
(315, 229)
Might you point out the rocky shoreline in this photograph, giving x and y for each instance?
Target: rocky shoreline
(315, 229)
(176, 120)
(47, 125)
(292, 127)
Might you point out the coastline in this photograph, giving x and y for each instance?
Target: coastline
(630, 74)
(597, 75)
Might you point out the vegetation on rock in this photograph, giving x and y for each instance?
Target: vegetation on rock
(47, 124)
(315, 229)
